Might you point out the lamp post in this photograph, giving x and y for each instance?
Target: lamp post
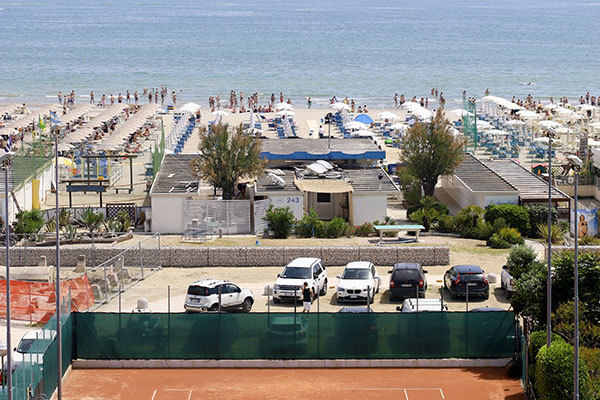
(5, 162)
(577, 165)
(550, 134)
(58, 299)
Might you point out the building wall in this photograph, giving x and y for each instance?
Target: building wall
(464, 197)
(501, 199)
(294, 201)
(167, 214)
(367, 207)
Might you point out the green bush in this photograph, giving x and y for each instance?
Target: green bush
(554, 373)
(429, 202)
(515, 216)
(304, 227)
(505, 238)
(589, 241)
(563, 323)
(468, 221)
(538, 214)
(445, 223)
(280, 221)
(591, 359)
(337, 227)
(411, 187)
(537, 339)
(425, 217)
(555, 231)
(365, 229)
(519, 260)
(29, 222)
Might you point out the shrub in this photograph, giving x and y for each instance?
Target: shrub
(429, 202)
(445, 223)
(589, 241)
(280, 221)
(563, 323)
(591, 359)
(411, 187)
(555, 231)
(365, 229)
(468, 221)
(538, 214)
(29, 222)
(337, 227)
(537, 340)
(425, 217)
(505, 238)
(519, 260)
(305, 226)
(554, 373)
(515, 216)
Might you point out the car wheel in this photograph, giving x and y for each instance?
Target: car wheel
(247, 305)
(276, 300)
(214, 307)
(323, 291)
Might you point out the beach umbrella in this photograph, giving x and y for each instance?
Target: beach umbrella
(355, 125)
(514, 122)
(529, 114)
(550, 106)
(190, 107)
(364, 118)
(564, 130)
(388, 115)
(285, 113)
(459, 112)
(544, 140)
(594, 125)
(549, 124)
(399, 125)
(219, 113)
(482, 124)
(362, 133)
(498, 132)
(283, 106)
(340, 106)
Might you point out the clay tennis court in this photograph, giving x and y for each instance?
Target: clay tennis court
(355, 383)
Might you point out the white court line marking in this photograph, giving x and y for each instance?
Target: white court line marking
(154, 394)
(442, 393)
(190, 395)
(406, 394)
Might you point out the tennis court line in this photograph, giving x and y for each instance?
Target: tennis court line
(405, 390)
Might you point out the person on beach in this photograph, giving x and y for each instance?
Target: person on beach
(427, 102)
(149, 97)
(352, 105)
(120, 98)
(242, 99)
(272, 99)
(135, 97)
(587, 97)
(422, 102)
(309, 102)
(218, 102)
(442, 100)
(128, 97)
(174, 98)
(414, 99)
(402, 100)
(281, 97)
(59, 97)
(487, 92)
(307, 295)
(112, 99)
(365, 110)
(92, 97)
(396, 100)
(103, 101)
(436, 93)
(432, 91)
(359, 110)
(321, 131)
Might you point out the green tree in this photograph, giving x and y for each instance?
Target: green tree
(430, 150)
(226, 156)
(411, 187)
(529, 298)
(90, 220)
(30, 221)
(280, 221)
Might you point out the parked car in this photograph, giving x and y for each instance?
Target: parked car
(359, 281)
(289, 283)
(405, 279)
(422, 305)
(355, 310)
(462, 279)
(507, 281)
(203, 295)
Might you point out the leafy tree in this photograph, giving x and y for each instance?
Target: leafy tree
(520, 259)
(411, 187)
(428, 212)
(226, 156)
(90, 220)
(430, 150)
(529, 298)
(515, 216)
(563, 323)
(538, 214)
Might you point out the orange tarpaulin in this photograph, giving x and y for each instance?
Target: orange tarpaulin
(36, 301)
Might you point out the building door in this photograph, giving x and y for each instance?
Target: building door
(324, 205)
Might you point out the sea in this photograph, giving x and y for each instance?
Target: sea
(367, 50)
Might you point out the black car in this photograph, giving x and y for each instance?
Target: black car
(462, 279)
(406, 279)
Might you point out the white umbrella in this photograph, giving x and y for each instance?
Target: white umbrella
(586, 107)
(515, 122)
(283, 106)
(482, 124)
(190, 107)
(340, 106)
(498, 132)
(459, 112)
(594, 125)
(388, 115)
(564, 130)
(399, 125)
(362, 132)
(550, 106)
(355, 125)
(286, 113)
(544, 140)
(529, 114)
(549, 124)
(219, 113)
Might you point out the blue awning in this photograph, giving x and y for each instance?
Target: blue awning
(364, 118)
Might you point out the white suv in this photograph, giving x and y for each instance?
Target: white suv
(507, 282)
(359, 280)
(289, 283)
(203, 295)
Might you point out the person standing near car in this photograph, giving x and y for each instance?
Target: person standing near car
(307, 295)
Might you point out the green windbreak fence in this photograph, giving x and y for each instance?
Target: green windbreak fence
(295, 336)
(35, 362)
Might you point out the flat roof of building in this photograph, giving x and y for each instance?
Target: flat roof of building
(530, 186)
(317, 149)
(480, 178)
(176, 175)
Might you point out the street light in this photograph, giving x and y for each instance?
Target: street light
(577, 164)
(58, 299)
(5, 163)
(550, 134)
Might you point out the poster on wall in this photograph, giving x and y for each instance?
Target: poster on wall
(587, 222)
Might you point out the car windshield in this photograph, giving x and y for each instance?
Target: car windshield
(296, 273)
(25, 345)
(198, 291)
(406, 275)
(356, 274)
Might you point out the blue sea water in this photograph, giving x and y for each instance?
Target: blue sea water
(367, 50)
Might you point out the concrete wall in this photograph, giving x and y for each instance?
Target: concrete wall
(367, 207)
(233, 256)
(582, 190)
(294, 202)
(24, 193)
(167, 214)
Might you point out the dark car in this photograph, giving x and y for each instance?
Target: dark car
(462, 279)
(406, 279)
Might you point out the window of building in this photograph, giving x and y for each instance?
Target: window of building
(323, 197)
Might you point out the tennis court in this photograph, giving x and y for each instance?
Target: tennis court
(348, 383)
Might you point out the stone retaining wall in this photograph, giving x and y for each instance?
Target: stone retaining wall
(233, 256)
